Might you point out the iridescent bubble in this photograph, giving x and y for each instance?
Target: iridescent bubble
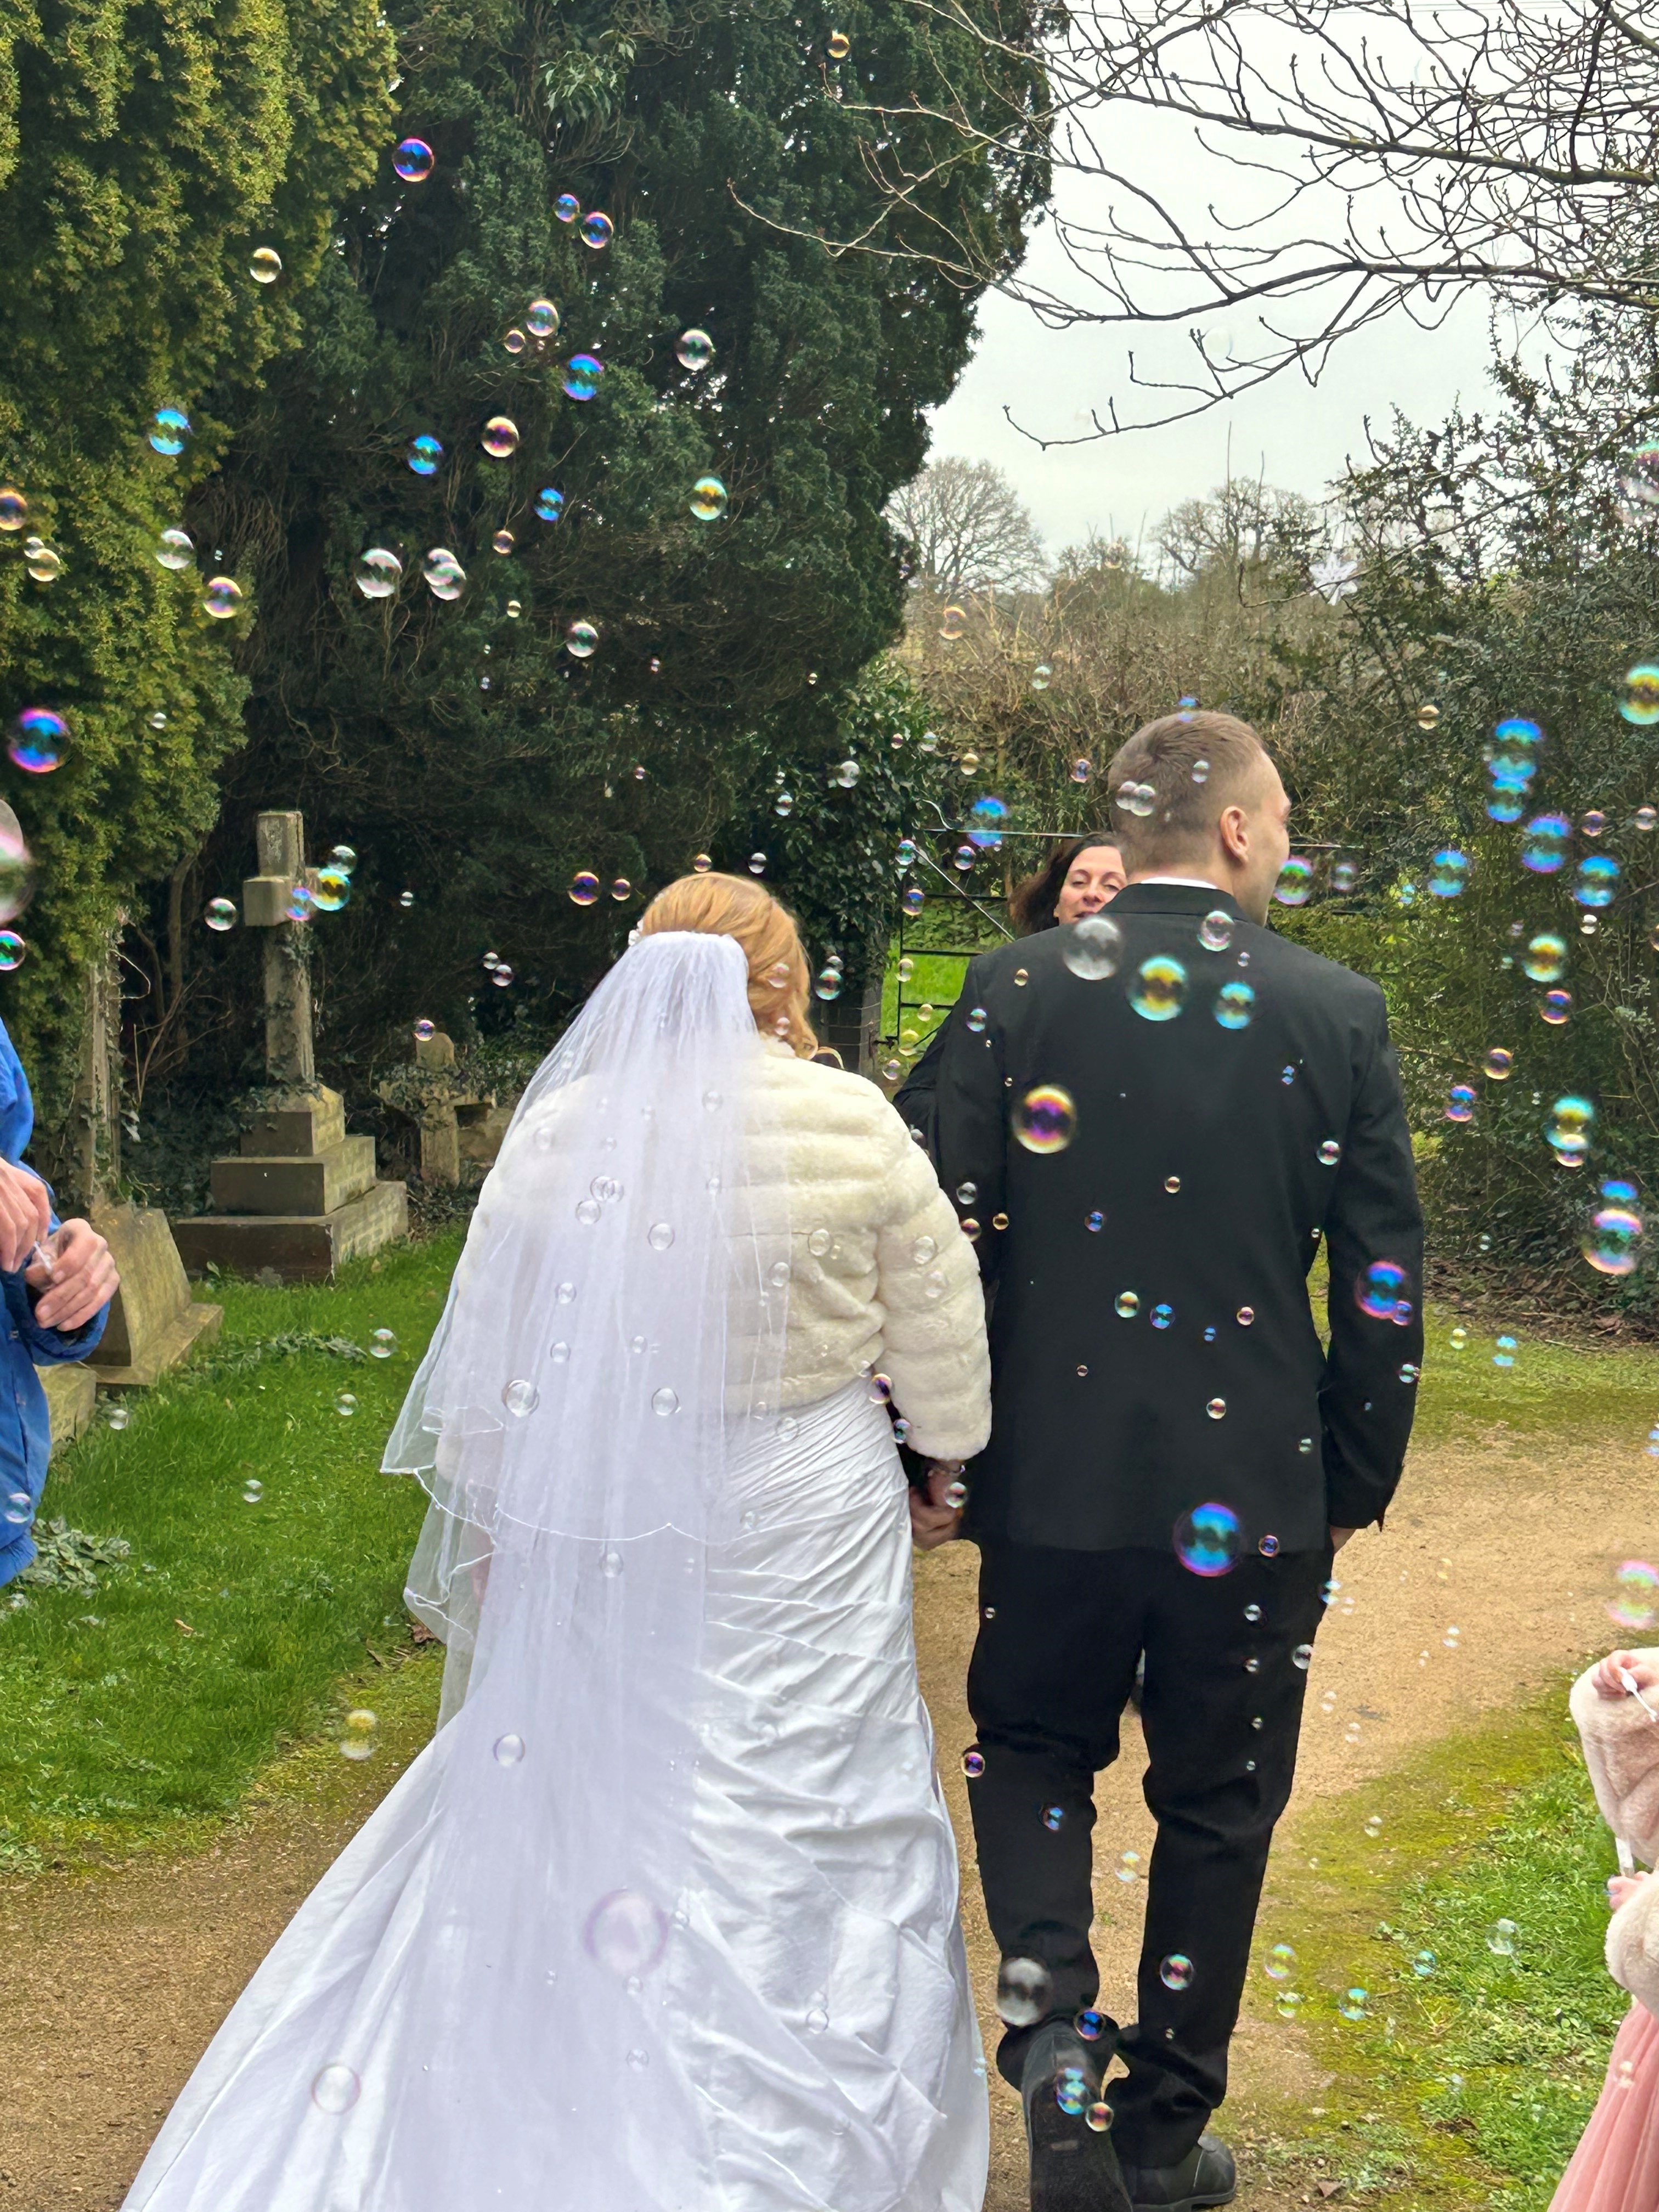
(621, 889)
(914, 900)
(1045, 1120)
(335, 2090)
(1555, 1006)
(1082, 771)
(1176, 1972)
(708, 499)
(582, 373)
(1216, 1409)
(694, 349)
(42, 562)
(19, 1509)
(1345, 873)
(1381, 1290)
(1570, 1127)
(424, 454)
(1544, 843)
(170, 431)
(1613, 1238)
(502, 541)
(1041, 676)
(13, 507)
(1093, 948)
(39, 738)
(1329, 1152)
(542, 319)
(345, 1405)
(1215, 932)
(597, 230)
(1280, 1963)
(1499, 1064)
(413, 161)
(567, 207)
(827, 984)
(1449, 873)
(1127, 1303)
(952, 623)
(665, 1402)
(1597, 880)
(1208, 1540)
(379, 573)
(1302, 1657)
(332, 889)
(1024, 1991)
(584, 887)
(266, 265)
(582, 640)
(445, 579)
(222, 598)
(1546, 957)
(1235, 1003)
(221, 915)
(514, 340)
(1428, 715)
(425, 1030)
(1296, 882)
(1500, 1938)
(175, 549)
(1091, 2025)
(1645, 818)
(1635, 1601)
(1352, 2004)
(756, 865)
(509, 1750)
(500, 437)
(382, 1344)
(1638, 700)
(1159, 990)
(840, 45)
(1460, 1103)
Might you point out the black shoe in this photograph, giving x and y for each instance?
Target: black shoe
(1205, 2176)
(1074, 2166)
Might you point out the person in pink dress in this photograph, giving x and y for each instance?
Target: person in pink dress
(1615, 2168)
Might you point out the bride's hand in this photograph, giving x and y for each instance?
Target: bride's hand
(933, 1520)
(1607, 1677)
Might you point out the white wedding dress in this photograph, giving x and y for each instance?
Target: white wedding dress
(665, 1917)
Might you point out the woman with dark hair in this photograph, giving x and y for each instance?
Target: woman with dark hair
(1082, 874)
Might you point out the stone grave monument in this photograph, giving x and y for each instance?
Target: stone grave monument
(300, 1195)
(456, 1121)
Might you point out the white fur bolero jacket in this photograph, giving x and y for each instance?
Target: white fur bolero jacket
(883, 1279)
(1621, 1750)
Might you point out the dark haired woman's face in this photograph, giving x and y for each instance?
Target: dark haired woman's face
(1093, 880)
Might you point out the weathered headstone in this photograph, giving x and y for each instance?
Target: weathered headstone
(300, 1195)
(454, 1119)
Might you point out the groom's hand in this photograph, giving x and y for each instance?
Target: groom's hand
(933, 1519)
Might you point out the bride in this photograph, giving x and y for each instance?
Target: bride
(664, 1919)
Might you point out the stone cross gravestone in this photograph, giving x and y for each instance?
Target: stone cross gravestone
(300, 1195)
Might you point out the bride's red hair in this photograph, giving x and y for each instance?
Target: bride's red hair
(738, 908)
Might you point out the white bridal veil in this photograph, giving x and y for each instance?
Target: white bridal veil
(612, 1335)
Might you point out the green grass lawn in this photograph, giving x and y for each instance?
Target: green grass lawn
(157, 1699)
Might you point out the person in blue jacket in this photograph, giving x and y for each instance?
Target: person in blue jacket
(57, 1279)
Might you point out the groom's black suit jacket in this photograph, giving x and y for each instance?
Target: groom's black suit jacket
(1101, 1436)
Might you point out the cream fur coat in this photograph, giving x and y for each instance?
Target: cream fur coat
(1621, 1750)
(883, 1280)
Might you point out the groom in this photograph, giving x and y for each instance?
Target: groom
(1164, 1114)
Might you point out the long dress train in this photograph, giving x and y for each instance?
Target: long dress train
(812, 1998)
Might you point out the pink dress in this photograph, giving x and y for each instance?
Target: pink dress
(1615, 2168)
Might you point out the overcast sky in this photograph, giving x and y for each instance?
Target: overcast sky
(1298, 437)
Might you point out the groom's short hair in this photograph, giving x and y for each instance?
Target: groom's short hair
(1169, 783)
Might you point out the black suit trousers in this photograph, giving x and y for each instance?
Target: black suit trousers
(1060, 1635)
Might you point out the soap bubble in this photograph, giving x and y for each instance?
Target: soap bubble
(1235, 1003)
(1159, 990)
(1635, 1601)
(1503, 1352)
(39, 738)
(520, 1398)
(14, 508)
(1499, 1064)
(1280, 1963)
(1570, 1127)
(1127, 1302)
(665, 1402)
(170, 431)
(425, 1029)
(13, 950)
(1555, 1007)
(379, 573)
(345, 1405)
(382, 1344)
(1215, 932)
(951, 623)
(1082, 771)
(1544, 843)
(1449, 873)
(1176, 1972)
(1612, 1239)
(221, 915)
(42, 562)
(335, 2090)
(695, 349)
(1460, 1103)
(1352, 2004)
(840, 45)
(584, 887)
(542, 319)
(597, 230)
(1208, 1540)
(1296, 882)
(175, 549)
(1302, 1657)
(914, 899)
(1045, 1120)
(266, 265)
(1428, 715)
(501, 437)
(567, 207)
(1500, 1938)
(1345, 873)
(1024, 1991)
(1329, 1152)
(19, 1509)
(445, 579)
(582, 640)
(502, 541)
(708, 499)
(424, 454)
(1093, 948)
(973, 1764)
(413, 161)
(1639, 701)
(1041, 676)
(222, 598)
(1546, 957)
(1596, 881)
(333, 891)
(582, 373)
(626, 1934)
(1381, 1290)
